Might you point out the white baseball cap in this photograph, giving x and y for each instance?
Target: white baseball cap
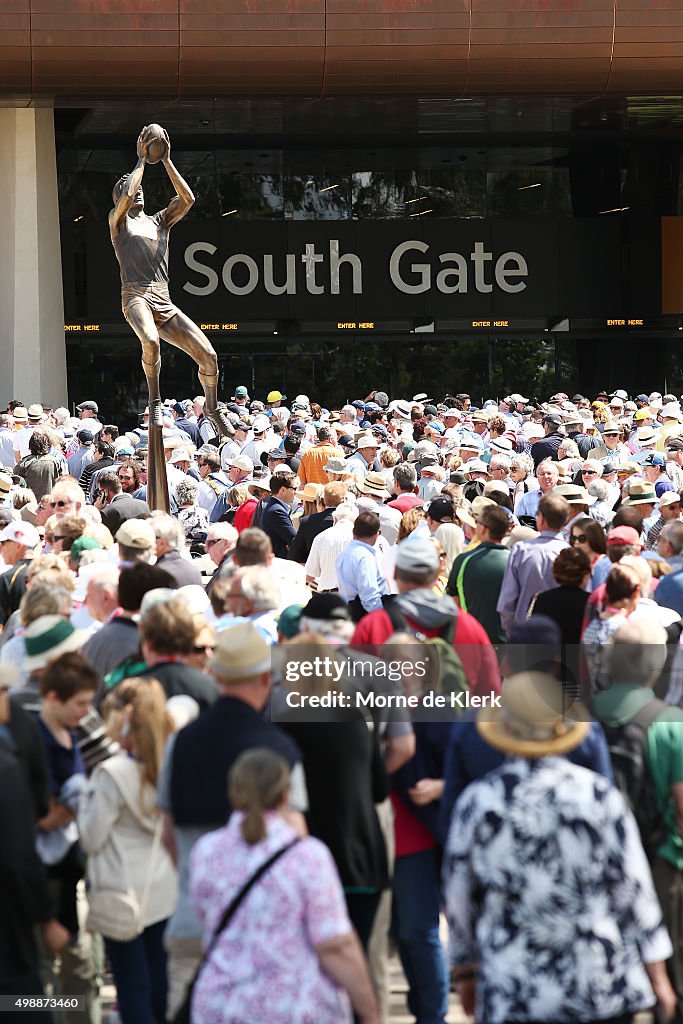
(22, 533)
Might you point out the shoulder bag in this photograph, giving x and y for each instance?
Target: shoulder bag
(184, 1012)
(118, 914)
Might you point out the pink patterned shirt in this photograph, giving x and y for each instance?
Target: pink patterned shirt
(264, 966)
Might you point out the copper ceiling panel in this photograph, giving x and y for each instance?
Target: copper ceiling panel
(536, 46)
(15, 47)
(398, 45)
(173, 48)
(109, 48)
(251, 46)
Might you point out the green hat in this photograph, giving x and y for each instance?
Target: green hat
(80, 545)
(288, 622)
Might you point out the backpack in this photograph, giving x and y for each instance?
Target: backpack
(632, 777)
(452, 677)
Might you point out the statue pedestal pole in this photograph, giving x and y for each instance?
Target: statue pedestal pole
(157, 481)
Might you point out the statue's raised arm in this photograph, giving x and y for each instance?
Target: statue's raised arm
(141, 245)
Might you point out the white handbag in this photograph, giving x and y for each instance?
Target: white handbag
(118, 914)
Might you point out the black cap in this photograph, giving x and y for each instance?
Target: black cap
(607, 467)
(85, 436)
(89, 406)
(326, 606)
(346, 441)
(553, 418)
(440, 509)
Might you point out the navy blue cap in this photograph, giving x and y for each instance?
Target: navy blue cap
(297, 427)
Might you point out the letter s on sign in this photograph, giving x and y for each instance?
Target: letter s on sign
(423, 269)
(200, 268)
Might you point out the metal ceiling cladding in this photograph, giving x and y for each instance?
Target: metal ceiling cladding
(179, 49)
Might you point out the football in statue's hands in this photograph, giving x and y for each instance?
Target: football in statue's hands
(156, 144)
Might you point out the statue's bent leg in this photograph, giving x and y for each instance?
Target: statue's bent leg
(141, 319)
(184, 334)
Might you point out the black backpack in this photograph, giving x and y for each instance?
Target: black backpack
(632, 777)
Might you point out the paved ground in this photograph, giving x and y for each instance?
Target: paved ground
(399, 1010)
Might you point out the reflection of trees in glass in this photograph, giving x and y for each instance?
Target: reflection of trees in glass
(509, 194)
(305, 200)
(528, 364)
(456, 192)
(253, 196)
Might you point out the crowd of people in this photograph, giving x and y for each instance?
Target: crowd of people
(168, 815)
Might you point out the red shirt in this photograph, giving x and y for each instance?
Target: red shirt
(471, 642)
(404, 502)
(245, 514)
(410, 834)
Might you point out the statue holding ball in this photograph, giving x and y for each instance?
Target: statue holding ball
(141, 245)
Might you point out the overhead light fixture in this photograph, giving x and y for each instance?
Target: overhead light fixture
(228, 213)
(523, 188)
(421, 213)
(617, 209)
(327, 188)
(80, 217)
(420, 200)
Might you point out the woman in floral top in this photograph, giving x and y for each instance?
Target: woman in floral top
(550, 900)
(289, 954)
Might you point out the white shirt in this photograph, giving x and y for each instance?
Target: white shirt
(325, 549)
(230, 450)
(20, 439)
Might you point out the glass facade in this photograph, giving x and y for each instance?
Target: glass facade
(385, 160)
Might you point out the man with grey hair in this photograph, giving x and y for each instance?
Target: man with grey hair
(219, 546)
(670, 544)
(644, 737)
(250, 593)
(405, 487)
(171, 550)
(602, 511)
(499, 469)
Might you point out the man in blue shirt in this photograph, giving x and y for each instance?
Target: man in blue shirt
(547, 475)
(361, 581)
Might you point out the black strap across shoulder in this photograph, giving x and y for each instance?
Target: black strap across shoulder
(183, 1014)
(234, 904)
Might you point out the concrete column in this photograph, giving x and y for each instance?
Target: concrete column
(32, 346)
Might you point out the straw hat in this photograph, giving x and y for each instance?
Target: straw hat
(311, 492)
(375, 484)
(48, 637)
(240, 653)
(641, 492)
(531, 723)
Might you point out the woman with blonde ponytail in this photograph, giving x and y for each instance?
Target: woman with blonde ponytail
(288, 954)
(131, 880)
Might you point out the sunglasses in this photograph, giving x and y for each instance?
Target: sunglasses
(59, 504)
(203, 650)
(578, 538)
(214, 540)
(589, 472)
